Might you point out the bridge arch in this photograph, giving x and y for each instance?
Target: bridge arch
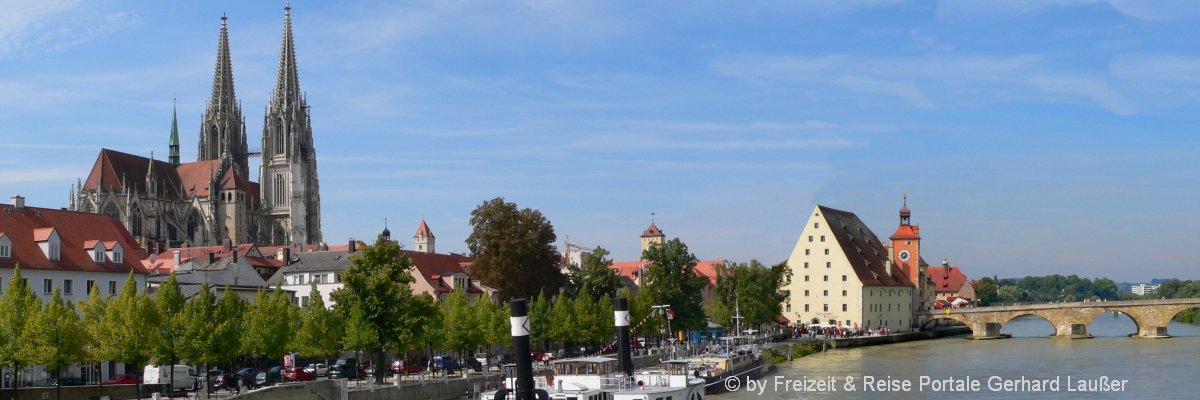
(1120, 328)
(1195, 314)
(1043, 325)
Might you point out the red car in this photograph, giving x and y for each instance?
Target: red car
(399, 367)
(294, 374)
(124, 379)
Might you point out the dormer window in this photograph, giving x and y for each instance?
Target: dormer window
(5, 246)
(118, 254)
(460, 282)
(98, 252)
(48, 240)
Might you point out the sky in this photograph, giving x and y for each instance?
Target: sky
(1033, 137)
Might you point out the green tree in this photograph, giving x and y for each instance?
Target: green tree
(269, 324)
(91, 319)
(460, 328)
(53, 336)
(717, 311)
(377, 304)
(168, 302)
(986, 290)
(540, 319)
(593, 278)
(513, 250)
(227, 327)
(672, 280)
(493, 323)
(17, 306)
(753, 289)
(196, 322)
(321, 329)
(127, 318)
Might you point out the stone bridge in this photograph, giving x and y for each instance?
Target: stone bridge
(1070, 320)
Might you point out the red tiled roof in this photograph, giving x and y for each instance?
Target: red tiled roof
(907, 232)
(652, 231)
(947, 279)
(632, 269)
(432, 266)
(114, 169)
(194, 177)
(866, 254)
(423, 231)
(31, 224)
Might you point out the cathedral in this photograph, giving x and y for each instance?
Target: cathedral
(206, 202)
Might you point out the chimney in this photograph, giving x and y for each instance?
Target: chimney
(177, 258)
(284, 254)
(234, 255)
(353, 246)
(228, 243)
(887, 264)
(18, 202)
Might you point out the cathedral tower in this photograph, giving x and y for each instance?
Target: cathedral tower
(652, 235)
(223, 130)
(290, 191)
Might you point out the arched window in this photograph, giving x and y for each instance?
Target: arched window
(110, 209)
(135, 221)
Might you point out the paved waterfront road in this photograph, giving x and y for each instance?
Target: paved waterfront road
(1154, 368)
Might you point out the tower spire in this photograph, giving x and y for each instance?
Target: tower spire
(174, 145)
(287, 82)
(222, 130)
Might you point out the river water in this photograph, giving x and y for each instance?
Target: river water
(1043, 368)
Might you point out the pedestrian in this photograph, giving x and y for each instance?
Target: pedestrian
(240, 384)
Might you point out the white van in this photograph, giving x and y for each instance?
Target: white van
(184, 377)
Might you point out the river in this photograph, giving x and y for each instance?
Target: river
(1152, 368)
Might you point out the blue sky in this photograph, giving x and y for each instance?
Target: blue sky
(1034, 137)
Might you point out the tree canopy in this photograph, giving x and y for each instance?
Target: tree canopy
(513, 250)
(754, 289)
(593, 278)
(377, 304)
(671, 279)
(320, 333)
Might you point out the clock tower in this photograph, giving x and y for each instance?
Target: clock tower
(906, 247)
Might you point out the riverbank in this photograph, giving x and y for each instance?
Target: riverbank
(785, 351)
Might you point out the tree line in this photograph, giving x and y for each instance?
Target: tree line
(1042, 289)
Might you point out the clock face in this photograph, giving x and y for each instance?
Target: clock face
(904, 254)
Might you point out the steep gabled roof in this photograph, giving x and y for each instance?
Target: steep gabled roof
(652, 231)
(947, 278)
(27, 226)
(432, 266)
(423, 231)
(115, 170)
(867, 255)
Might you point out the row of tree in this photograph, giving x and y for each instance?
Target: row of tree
(1041, 289)
(1177, 289)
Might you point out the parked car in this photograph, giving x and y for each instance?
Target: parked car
(124, 379)
(401, 367)
(367, 368)
(250, 376)
(348, 371)
(71, 381)
(474, 364)
(317, 369)
(297, 374)
(447, 363)
(274, 375)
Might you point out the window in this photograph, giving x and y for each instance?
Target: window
(5, 246)
(810, 238)
(318, 278)
(67, 286)
(825, 293)
(118, 255)
(806, 278)
(98, 254)
(47, 286)
(805, 293)
(789, 308)
(90, 284)
(826, 278)
(337, 277)
(806, 308)
(55, 254)
(807, 252)
(112, 287)
(303, 301)
(806, 264)
(828, 264)
(816, 225)
(844, 307)
(843, 278)
(826, 307)
(822, 238)
(843, 293)
(826, 251)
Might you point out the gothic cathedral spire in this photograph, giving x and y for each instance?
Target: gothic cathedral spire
(288, 173)
(174, 145)
(223, 130)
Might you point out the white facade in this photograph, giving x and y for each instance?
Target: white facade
(1143, 289)
(300, 283)
(824, 286)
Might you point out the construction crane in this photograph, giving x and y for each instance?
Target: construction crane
(574, 247)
